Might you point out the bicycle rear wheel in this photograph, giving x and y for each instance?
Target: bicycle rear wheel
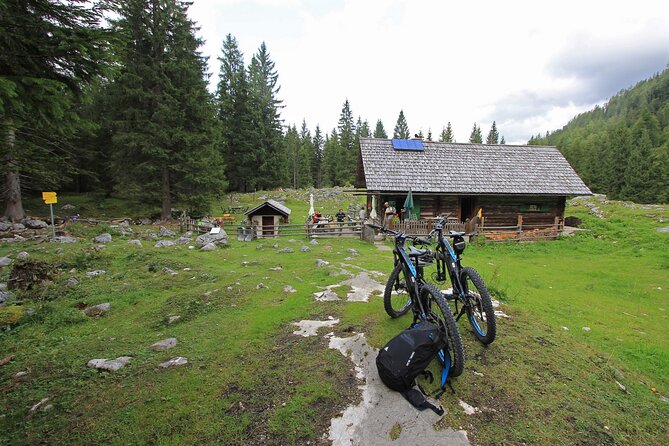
(444, 317)
(479, 311)
(396, 297)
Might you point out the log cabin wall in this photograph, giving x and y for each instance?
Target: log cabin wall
(535, 210)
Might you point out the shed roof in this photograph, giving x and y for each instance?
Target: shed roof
(469, 169)
(273, 204)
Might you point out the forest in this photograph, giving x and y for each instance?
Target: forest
(112, 96)
(621, 149)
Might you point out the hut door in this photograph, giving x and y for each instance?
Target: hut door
(267, 225)
(467, 207)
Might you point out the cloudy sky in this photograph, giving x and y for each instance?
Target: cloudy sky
(528, 65)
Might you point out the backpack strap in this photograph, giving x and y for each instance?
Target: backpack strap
(418, 400)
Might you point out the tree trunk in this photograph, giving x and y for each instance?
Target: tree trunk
(14, 210)
(166, 211)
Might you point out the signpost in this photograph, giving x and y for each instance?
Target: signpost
(50, 199)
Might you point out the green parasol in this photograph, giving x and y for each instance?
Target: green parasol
(408, 207)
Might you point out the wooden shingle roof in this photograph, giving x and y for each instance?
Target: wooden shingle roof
(469, 169)
(272, 204)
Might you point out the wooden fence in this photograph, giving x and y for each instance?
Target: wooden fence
(522, 232)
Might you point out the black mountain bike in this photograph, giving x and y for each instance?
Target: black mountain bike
(469, 295)
(407, 290)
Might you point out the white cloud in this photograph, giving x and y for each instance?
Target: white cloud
(529, 65)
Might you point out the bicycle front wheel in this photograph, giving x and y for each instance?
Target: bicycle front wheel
(442, 312)
(479, 311)
(396, 298)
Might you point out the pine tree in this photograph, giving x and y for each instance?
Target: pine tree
(50, 52)
(331, 149)
(447, 134)
(401, 130)
(379, 131)
(476, 137)
(347, 156)
(420, 135)
(502, 141)
(305, 157)
(267, 143)
(638, 174)
(362, 128)
(493, 135)
(165, 141)
(429, 134)
(317, 158)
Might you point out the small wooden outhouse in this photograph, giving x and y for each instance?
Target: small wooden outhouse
(266, 218)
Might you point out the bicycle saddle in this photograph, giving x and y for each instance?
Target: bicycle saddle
(455, 234)
(414, 252)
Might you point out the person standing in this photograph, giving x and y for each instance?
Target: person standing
(340, 220)
(389, 214)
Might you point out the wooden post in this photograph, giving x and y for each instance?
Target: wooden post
(520, 226)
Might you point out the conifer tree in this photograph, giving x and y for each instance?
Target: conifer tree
(331, 149)
(638, 174)
(379, 131)
(347, 156)
(165, 138)
(420, 135)
(493, 135)
(401, 130)
(317, 158)
(306, 153)
(50, 52)
(429, 134)
(447, 134)
(265, 106)
(236, 117)
(502, 141)
(476, 137)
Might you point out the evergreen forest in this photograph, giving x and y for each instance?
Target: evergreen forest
(113, 96)
(621, 149)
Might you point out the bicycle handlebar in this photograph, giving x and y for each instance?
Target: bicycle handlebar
(417, 240)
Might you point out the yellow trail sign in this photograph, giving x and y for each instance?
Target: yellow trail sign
(49, 197)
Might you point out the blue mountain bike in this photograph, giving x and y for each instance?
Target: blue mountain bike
(407, 290)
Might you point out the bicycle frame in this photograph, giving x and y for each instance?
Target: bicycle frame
(411, 272)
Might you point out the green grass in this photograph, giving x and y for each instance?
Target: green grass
(251, 381)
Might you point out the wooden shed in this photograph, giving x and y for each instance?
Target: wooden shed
(266, 218)
(499, 186)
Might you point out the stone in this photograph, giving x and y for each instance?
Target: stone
(5, 261)
(621, 386)
(68, 207)
(110, 365)
(4, 296)
(103, 238)
(97, 272)
(326, 296)
(353, 251)
(164, 243)
(276, 268)
(18, 227)
(182, 241)
(71, 282)
(65, 239)
(97, 310)
(164, 232)
(305, 249)
(163, 345)
(217, 239)
(285, 251)
(135, 243)
(35, 224)
(173, 319)
(174, 362)
(22, 255)
(260, 286)
(4, 226)
(314, 242)
(320, 263)
(170, 271)
(289, 289)
(208, 247)
(125, 224)
(20, 374)
(251, 263)
(40, 405)
(586, 328)
(59, 251)
(145, 221)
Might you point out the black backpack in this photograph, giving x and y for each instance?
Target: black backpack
(406, 356)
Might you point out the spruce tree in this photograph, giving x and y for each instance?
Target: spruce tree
(429, 134)
(265, 106)
(331, 149)
(447, 134)
(493, 135)
(638, 174)
(347, 156)
(379, 131)
(317, 158)
(50, 52)
(401, 130)
(502, 141)
(476, 137)
(305, 156)
(236, 117)
(165, 137)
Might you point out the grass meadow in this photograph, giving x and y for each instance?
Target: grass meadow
(545, 380)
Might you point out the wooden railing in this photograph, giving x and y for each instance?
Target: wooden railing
(522, 232)
(422, 227)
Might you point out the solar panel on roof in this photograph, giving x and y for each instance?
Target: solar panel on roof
(408, 144)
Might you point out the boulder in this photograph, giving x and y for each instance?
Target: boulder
(174, 362)
(5, 261)
(321, 263)
(110, 365)
(97, 310)
(135, 243)
(4, 226)
(164, 243)
(71, 282)
(182, 241)
(217, 239)
(305, 249)
(285, 251)
(163, 345)
(22, 255)
(97, 272)
(35, 224)
(209, 247)
(65, 239)
(18, 227)
(103, 238)
(164, 232)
